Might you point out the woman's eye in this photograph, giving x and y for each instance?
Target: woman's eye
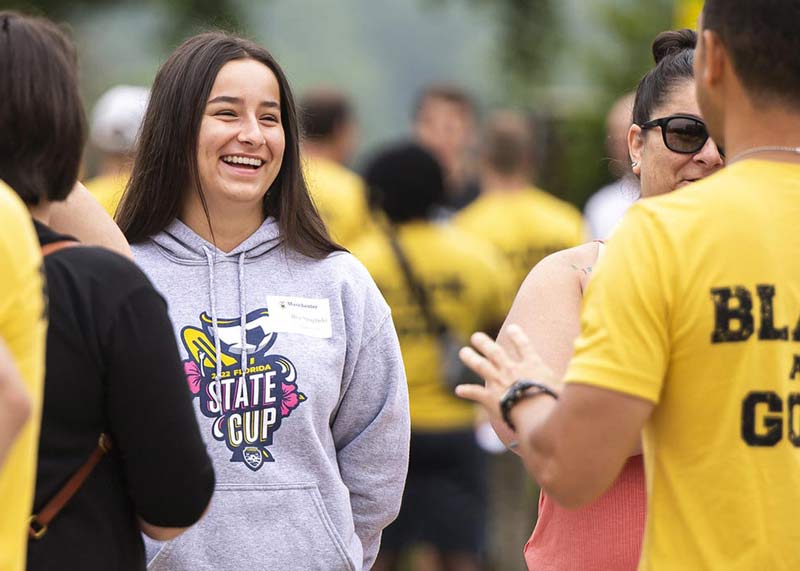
(270, 118)
(225, 113)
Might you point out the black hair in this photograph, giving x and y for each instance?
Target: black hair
(763, 43)
(673, 52)
(42, 121)
(405, 181)
(323, 113)
(166, 160)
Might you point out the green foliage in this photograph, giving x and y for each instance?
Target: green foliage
(184, 16)
(526, 36)
(576, 164)
(610, 53)
(633, 27)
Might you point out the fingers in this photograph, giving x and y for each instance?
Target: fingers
(491, 350)
(520, 341)
(477, 363)
(478, 394)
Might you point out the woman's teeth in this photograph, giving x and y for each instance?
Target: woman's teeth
(237, 160)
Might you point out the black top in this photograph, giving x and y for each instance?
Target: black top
(113, 366)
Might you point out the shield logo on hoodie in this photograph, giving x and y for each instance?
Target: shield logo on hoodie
(253, 457)
(247, 402)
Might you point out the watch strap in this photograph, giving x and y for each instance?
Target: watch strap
(520, 390)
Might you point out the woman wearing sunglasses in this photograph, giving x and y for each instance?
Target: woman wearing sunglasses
(669, 148)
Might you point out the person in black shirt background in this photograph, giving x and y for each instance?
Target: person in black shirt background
(112, 362)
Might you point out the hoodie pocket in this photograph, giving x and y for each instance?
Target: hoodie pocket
(254, 527)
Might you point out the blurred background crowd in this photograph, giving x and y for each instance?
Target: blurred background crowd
(525, 106)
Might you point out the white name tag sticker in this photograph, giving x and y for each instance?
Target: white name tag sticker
(302, 315)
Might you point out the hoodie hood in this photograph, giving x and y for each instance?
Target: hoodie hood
(184, 246)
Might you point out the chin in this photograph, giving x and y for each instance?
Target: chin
(243, 192)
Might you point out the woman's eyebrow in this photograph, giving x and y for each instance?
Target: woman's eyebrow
(238, 101)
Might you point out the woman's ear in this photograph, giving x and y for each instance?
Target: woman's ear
(635, 147)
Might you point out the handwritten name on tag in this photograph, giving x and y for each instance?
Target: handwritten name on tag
(302, 315)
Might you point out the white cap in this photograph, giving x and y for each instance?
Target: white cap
(116, 118)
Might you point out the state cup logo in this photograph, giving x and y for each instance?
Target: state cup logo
(247, 406)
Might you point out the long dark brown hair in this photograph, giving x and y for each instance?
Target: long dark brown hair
(42, 124)
(166, 161)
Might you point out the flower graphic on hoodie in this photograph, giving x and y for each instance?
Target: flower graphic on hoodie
(247, 403)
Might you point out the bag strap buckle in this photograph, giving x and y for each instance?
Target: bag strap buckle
(36, 529)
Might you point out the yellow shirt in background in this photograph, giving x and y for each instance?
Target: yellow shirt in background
(525, 226)
(108, 190)
(696, 308)
(468, 286)
(340, 197)
(23, 329)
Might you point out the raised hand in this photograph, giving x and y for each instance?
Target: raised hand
(500, 368)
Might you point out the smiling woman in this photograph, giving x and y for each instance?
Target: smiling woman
(289, 349)
(239, 150)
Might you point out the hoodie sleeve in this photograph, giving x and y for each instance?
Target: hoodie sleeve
(371, 432)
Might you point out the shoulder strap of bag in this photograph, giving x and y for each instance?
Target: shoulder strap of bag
(54, 247)
(37, 525)
(435, 325)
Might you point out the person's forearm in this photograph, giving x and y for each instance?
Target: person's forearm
(557, 457)
(160, 533)
(535, 442)
(80, 215)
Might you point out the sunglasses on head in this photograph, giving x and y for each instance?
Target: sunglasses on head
(681, 133)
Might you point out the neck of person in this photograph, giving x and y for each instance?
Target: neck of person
(233, 223)
(41, 212)
(750, 126)
(493, 181)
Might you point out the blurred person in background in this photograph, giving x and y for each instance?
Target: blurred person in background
(114, 127)
(689, 327)
(330, 137)
(444, 122)
(103, 316)
(464, 283)
(605, 208)
(288, 346)
(524, 224)
(521, 221)
(607, 533)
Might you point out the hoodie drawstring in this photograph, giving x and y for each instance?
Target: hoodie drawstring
(243, 314)
(210, 258)
(217, 345)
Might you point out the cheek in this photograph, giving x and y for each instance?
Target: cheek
(209, 140)
(277, 142)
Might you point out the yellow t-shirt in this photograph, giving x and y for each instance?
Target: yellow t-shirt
(340, 197)
(108, 190)
(525, 226)
(696, 308)
(23, 329)
(468, 288)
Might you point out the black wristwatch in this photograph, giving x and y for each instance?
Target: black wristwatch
(519, 390)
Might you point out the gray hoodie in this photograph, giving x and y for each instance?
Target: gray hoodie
(310, 447)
